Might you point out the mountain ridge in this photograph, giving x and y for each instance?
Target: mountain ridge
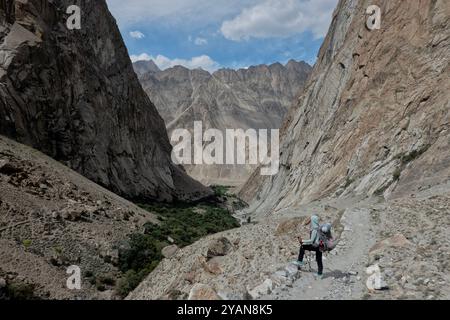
(257, 97)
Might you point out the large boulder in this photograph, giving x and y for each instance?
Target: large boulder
(397, 241)
(265, 288)
(375, 280)
(219, 247)
(213, 267)
(289, 226)
(170, 251)
(203, 292)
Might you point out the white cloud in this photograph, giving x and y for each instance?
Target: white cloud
(141, 57)
(204, 62)
(187, 12)
(201, 41)
(137, 34)
(280, 18)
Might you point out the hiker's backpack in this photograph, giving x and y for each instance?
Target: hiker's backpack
(325, 240)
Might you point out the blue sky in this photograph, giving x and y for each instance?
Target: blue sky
(212, 34)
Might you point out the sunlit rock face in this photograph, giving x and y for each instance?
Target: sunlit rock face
(374, 117)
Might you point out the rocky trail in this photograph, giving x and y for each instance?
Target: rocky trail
(343, 267)
(405, 239)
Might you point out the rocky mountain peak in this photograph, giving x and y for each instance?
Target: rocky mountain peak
(257, 97)
(141, 67)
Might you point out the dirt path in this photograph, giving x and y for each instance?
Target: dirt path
(344, 274)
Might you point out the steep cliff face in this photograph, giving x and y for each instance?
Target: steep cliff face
(375, 115)
(257, 97)
(73, 95)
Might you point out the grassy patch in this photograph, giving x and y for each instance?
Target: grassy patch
(184, 223)
(27, 243)
(348, 182)
(18, 291)
(397, 174)
(187, 224)
(406, 158)
(221, 191)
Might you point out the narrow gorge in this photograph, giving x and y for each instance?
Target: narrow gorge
(88, 182)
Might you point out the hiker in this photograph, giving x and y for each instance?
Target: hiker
(312, 245)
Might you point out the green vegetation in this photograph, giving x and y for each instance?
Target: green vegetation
(411, 156)
(58, 250)
(348, 182)
(184, 223)
(221, 191)
(19, 291)
(187, 224)
(141, 251)
(224, 192)
(397, 174)
(131, 280)
(406, 158)
(27, 243)
(101, 282)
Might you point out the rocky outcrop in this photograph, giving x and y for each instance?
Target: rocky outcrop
(73, 95)
(202, 292)
(169, 251)
(374, 118)
(257, 97)
(219, 247)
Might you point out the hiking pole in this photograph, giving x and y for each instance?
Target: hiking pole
(308, 259)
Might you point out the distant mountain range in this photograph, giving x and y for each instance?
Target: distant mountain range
(257, 97)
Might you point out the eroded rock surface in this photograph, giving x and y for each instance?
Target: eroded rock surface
(374, 118)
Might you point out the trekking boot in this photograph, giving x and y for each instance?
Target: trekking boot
(299, 264)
